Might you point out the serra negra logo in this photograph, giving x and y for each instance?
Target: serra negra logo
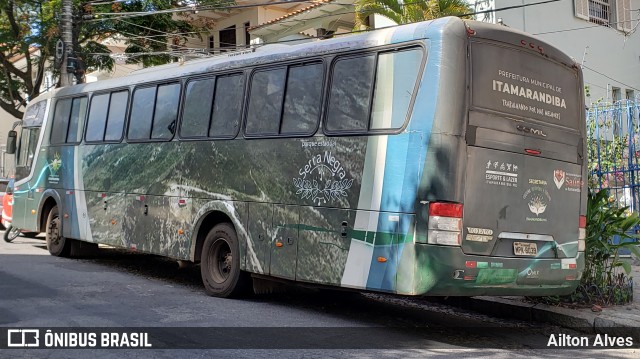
(55, 164)
(322, 179)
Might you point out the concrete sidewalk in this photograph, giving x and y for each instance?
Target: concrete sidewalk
(619, 317)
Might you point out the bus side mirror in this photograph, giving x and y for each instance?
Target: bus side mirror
(11, 142)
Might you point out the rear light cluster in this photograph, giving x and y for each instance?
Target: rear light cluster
(582, 233)
(445, 223)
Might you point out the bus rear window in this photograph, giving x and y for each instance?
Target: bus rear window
(515, 82)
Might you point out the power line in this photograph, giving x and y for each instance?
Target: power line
(610, 78)
(112, 15)
(582, 28)
(508, 8)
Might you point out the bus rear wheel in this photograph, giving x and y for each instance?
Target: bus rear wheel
(57, 244)
(220, 263)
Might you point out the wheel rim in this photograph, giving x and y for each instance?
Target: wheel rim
(14, 232)
(220, 260)
(53, 231)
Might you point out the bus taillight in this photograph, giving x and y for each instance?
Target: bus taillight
(445, 223)
(582, 233)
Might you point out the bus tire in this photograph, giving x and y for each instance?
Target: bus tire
(220, 263)
(57, 245)
(11, 233)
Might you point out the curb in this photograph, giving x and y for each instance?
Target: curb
(568, 318)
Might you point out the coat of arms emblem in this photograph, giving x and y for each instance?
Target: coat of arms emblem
(558, 178)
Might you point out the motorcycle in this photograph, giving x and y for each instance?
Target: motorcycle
(11, 232)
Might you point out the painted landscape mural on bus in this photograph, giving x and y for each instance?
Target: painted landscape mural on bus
(295, 173)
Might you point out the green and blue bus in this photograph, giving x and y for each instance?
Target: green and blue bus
(437, 158)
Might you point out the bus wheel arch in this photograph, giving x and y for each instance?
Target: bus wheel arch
(47, 205)
(205, 225)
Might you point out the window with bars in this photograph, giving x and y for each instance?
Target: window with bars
(610, 13)
(599, 11)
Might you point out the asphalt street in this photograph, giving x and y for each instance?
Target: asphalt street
(120, 289)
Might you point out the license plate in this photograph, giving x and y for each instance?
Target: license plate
(525, 249)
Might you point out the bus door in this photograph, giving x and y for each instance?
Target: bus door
(260, 231)
(326, 235)
(273, 230)
(23, 197)
(284, 247)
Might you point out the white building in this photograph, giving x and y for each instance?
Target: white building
(269, 21)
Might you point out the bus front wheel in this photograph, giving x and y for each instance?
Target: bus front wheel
(57, 244)
(220, 263)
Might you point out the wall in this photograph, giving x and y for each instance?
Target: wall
(609, 58)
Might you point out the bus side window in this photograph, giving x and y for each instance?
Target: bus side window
(23, 145)
(265, 102)
(117, 114)
(350, 94)
(396, 76)
(60, 121)
(226, 116)
(391, 78)
(27, 150)
(78, 112)
(97, 117)
(141, 113)
(33, 134)
(286, 101)
(67, 120)
(166, 112)
(303, 98)
(106, 116)
(197, 108)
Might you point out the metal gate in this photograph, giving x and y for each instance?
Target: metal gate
(613, 133)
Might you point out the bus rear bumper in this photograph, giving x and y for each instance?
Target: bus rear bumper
(447, 271)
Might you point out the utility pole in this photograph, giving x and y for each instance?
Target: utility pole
(66, 78)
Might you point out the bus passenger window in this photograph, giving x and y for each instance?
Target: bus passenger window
(117, 113)
(396, 77)
(60, 121)
(350, 96)
(78, 111)
(166, 113)
(265, 102)
(141, 113)
(226, 114)
(302, 100)
(197, 108)
(33, 134)
(97, 117)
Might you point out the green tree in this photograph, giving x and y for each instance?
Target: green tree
(23, 25)
(404, 12)
(29, 30)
